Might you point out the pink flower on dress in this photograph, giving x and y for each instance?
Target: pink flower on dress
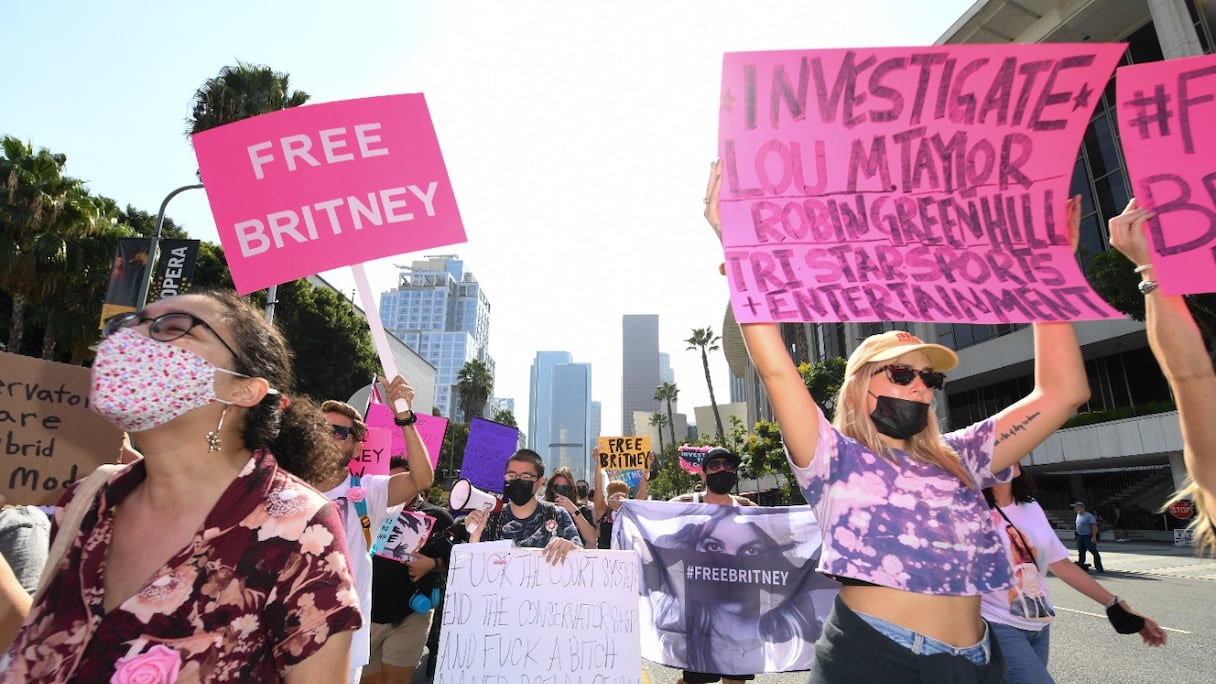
(159, 665)
(355, 494)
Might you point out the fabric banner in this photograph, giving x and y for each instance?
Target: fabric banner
(725, 588)
(174, 269)
(906, 184)
(1166, 111)
(126, 275)
(486, 452)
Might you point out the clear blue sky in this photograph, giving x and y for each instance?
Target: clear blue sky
(577, 134)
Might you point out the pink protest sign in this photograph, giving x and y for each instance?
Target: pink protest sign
(906, 184)
(373, 459)
(1166, 110)
(308, 189)
(430, 428)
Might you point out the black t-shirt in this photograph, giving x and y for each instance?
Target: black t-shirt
(605, 540)
(391, 583)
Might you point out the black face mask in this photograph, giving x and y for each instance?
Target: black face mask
(582, 491)
(721, 482)
(563, 490)
(900, 418)
(517, 491)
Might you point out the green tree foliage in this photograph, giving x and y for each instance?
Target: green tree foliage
(658, 421)
(240, 92)
(474, 384)
(823, 380)
(1114, 278)
(766, 456)
(333, 349)
(504, 416)
(669, 479)
(451, 454)
(667, 392)
(704, 340)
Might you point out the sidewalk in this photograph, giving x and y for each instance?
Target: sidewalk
(1157, 559)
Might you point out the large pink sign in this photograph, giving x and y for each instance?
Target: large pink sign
(1166, 114)
(906, 184)
(312, 188)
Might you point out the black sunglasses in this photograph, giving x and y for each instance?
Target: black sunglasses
(164, 328)
(904, 375)
(342, 431)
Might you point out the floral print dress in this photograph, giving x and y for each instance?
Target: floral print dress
(260, 588)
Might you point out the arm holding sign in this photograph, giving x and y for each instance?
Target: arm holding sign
(1060, 383)
(644, 485)
(1179, 348)
(404, 487)
(599, 505)
(792, 404)
(14, 604)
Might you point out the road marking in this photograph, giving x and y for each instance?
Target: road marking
(1103, 616)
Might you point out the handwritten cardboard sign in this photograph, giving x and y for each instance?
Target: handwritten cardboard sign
(312, 188)
(509, 616)
(49, 438)
(430, 429)
(486, 452)
(1166, 111)
(374, 457)
(623, 453)
(906, 184)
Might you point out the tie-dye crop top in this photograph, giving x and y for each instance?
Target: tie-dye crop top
(907, 525)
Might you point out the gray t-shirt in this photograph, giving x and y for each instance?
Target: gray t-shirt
(1085, 523)
(25, 539)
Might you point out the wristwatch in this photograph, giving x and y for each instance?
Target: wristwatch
(1147, 286)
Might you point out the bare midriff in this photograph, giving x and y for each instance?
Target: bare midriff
(954, 620)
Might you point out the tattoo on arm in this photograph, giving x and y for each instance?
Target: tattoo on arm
(1020, 427)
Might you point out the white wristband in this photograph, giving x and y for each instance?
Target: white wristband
(1143, 268)
(1112, 602)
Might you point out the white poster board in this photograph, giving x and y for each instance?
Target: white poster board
(511, 617)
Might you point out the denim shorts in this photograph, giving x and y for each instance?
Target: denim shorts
(920, 644)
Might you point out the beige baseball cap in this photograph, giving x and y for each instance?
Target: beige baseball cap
(893, 344)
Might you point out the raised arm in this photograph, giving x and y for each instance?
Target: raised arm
(599, 505)
(1079, 579)
(1060, 383)
(795, 410)
(644, 485)
(1179, 348)
(14, 605)
(404, 487)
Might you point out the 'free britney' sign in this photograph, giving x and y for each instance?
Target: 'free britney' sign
(308, 189)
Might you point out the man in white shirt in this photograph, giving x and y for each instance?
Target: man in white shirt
(365, 504)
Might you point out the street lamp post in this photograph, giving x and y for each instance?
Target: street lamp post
(160, 222)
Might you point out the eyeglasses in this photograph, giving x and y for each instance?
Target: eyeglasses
(526, 477)
(719, 464)
(341, 432)
(164, 328)
(904, 375)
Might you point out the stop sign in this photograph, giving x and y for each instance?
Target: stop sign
(1183, 510)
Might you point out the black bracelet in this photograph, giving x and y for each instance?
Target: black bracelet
(406, 422)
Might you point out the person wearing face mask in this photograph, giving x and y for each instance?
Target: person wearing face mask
(906, 530)
(211, 557)
(559, 491)
(608, 501)
(524, 519)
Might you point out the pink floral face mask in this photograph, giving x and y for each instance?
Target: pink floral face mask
(140, 383)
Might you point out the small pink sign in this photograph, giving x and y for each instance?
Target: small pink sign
(1166, 110)
(312, 188)
(906, 184)
(373, 459)
(429, 427)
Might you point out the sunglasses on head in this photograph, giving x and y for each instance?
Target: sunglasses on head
(341, 432)
(904, 375)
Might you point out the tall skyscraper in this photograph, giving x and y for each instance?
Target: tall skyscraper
(666, 373)
(597, 422)
(570, 425)
(540, 398)
(639, 366)
(440, 311)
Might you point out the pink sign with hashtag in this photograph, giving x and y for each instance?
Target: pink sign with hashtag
(1166, 110)
(906, 184)
(308, 189)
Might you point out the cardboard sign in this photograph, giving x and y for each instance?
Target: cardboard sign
(623, 453)
(486, 452)
(430, 429)
(308, 189)
(374, 458)
(906, 184)
(1166, 111)
(48, 436)
(509, 616)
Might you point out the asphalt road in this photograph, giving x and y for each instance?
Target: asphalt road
(1168, 584)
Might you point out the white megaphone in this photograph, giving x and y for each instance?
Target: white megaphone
(466, 497)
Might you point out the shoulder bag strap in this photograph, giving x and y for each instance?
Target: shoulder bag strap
(82, 500)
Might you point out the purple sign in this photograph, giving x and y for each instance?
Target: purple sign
(486, 452)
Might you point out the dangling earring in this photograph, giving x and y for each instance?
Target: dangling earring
(213, 437)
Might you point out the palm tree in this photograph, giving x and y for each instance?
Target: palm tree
(657, 421)
(705, 340)
(240, 92)
(474, 386)
(668, 392)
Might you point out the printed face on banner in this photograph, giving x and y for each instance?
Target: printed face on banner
(623, 453)
(1166, 110)
(374, 458)
(906, 184)
(312, 188)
